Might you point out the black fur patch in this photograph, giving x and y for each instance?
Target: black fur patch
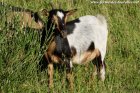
(62, 47)
(91, 47)
(70, 26)
(36, 17)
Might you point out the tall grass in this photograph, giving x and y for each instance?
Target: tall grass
(20, 52)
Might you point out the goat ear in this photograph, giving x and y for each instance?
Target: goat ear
(70, 12)
(44, 12)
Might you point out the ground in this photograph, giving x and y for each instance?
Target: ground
(20, 52)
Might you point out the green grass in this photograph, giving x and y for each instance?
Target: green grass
(20, 52)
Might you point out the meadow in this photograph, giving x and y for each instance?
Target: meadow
(20, 51)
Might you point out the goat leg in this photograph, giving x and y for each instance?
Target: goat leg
(69, 75)
(100, 68)
(50, 71)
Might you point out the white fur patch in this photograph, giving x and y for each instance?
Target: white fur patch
(60, 14)
(89, 29)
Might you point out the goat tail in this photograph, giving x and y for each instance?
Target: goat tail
(102, 19)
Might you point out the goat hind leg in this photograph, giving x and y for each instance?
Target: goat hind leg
(100, 68)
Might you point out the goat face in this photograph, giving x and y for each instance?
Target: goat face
(58, 17)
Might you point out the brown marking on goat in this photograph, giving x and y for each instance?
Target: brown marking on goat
(50, 53)
(55, 19)
(70, 12)
(65, 19)
(90, 55)
(73, 50)
(86, 56)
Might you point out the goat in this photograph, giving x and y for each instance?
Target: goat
(26, 17)
(76, 42)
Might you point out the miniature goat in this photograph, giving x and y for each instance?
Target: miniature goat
(79, 41)
(26, 17)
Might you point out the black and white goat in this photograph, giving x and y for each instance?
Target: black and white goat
(79, 41)
(26, 17)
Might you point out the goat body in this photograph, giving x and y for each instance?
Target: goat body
(76, 42)
(87, 39)
(89, 32)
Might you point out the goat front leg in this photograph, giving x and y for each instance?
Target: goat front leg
(50, 58)
(50, 73)
(50, 70)
(69, 74)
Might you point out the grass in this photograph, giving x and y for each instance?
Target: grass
(20, 52)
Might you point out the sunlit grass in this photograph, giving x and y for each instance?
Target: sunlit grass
(20, 52)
